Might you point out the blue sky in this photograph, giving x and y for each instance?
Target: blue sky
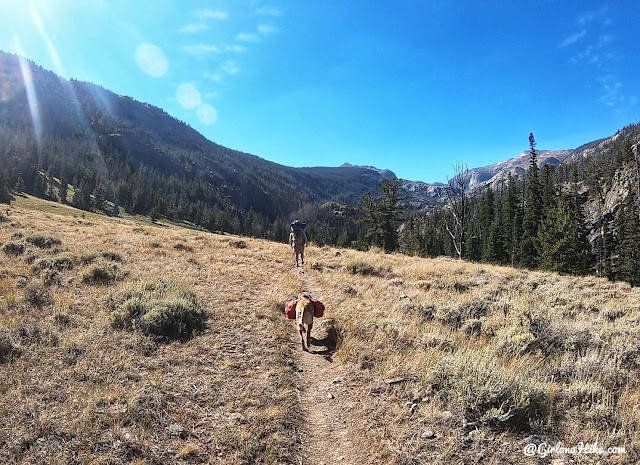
(412, 86)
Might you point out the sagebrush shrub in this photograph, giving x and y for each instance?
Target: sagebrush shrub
(164, 309)
(103, 272)
(14, 248)
(364, 268)
(43, 242)
(8, 349)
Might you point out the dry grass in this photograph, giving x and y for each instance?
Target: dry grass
(487, 358)
(76, 389)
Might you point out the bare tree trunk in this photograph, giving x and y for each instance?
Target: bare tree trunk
(457, 196)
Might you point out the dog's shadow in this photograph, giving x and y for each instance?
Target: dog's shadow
(328, 342)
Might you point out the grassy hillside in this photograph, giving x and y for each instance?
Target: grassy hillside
(123, 341)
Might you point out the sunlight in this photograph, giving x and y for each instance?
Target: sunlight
(37, 20)
(34, 109)
(67, 85)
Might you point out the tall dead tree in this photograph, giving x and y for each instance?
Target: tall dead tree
(457, 195)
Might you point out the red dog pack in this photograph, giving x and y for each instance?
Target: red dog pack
(318, 308)
(290, 310)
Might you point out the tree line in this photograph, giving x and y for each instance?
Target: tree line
(539, 222)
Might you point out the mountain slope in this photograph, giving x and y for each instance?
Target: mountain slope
(143, 158)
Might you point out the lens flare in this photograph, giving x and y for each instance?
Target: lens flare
(34, 108)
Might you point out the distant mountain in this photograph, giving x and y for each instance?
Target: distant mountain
(79, 143)
(388, 174)
(517, 166)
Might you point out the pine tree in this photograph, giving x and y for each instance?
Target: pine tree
(560, 241)
(532, 211)
(64, 189)
(627, 253)
(609, 247)
(5, 195)
(99, 197)
(383, 214)
(511, 220)
(20, 186)
(486, 216)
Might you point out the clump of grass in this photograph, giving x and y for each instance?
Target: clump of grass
(155, 245)
(110, 255)
(8, 349)
(17, 235)
(58, 263)
(456, 313)
(164, 309)
(364, 268)
(348, 289)
(103, 272)
(489, 394)
(50, 277)
(36, 295)
(183, 247)
(61, 317)
(43, 242)
(238, 244)
(14, 248)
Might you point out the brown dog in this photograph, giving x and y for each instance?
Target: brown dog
(304, 315)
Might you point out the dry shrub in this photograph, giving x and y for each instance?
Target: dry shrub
(456, 312)
(488, 393)
(14, 248)
(164, 309)
(183, 247)
(364, 268)
(111, 255)
(43, 242)
(103, 272)
(50, 277)
(58, 263)
(238, 244)
(36, 295)
(8, 349)
(106, 254)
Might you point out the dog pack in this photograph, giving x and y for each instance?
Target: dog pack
(290, 310)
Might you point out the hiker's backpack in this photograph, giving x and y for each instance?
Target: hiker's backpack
(297, 228)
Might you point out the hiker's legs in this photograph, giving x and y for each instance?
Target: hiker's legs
(302, 256)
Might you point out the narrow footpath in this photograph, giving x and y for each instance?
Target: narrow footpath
(325, 396)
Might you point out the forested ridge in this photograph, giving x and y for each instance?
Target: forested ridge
(76, 142)
(581, 217)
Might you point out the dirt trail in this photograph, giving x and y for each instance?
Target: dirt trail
(325, 395)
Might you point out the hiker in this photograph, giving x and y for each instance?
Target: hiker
(298, 239)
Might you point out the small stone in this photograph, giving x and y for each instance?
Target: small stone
(300, 370)
(404, 296)
(414, 407)
(339, 379)
(330, 396)
(399, 379)
(428, 434)
(176, 429)
(446, 415)
(341, 458)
